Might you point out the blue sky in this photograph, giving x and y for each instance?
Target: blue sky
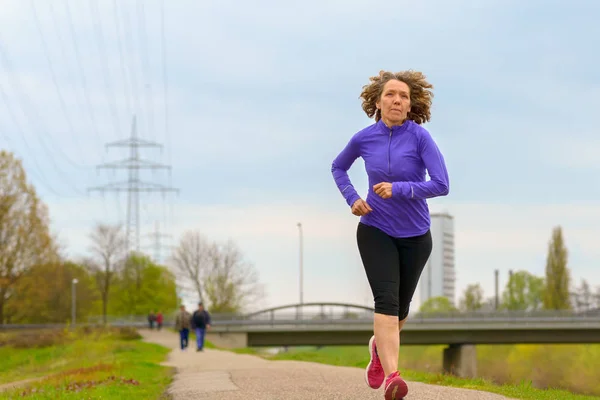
(262, 97)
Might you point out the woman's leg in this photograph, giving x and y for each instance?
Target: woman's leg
(380, 259)
(387, 337)
(414, 253)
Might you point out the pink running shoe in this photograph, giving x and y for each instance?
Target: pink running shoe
(374, 374)
(395, 387)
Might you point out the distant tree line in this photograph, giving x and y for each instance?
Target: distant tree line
(526, 292)
(36, 277)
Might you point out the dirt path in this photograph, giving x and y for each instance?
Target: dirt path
(219, 375)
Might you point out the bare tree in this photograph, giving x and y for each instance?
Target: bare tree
(218, 272)
(597, 298)
(584, 297)
(108, 251)
(232, 285)
(192, 259)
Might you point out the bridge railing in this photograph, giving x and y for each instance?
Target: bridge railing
(416, 318)
(308, 317)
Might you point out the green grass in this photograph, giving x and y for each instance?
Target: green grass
(524, 390)
(357, 356)
(90, 366)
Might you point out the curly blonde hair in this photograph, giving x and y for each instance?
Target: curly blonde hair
(421, 94)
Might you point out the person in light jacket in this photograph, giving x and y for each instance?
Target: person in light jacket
(182, 324)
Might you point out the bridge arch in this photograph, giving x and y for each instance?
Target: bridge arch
(302, 306)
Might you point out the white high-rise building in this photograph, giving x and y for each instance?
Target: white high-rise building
(438, 277)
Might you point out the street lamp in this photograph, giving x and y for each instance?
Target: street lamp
(73, 295)
(301, 266)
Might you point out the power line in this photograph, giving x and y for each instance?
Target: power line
(145, 69)
(122, 58)
(133, 186)
(31, 114)
(83, 77)
(165, 77)
(129, 51)
(40, 178)
(20, 130)
(168, 210)
(61, 99)
(112, 105)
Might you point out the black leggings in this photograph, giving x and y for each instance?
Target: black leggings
(393, 267)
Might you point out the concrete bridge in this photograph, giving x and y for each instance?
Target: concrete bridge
(330, 324)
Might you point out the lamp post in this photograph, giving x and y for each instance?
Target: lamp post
(301, 265)
(73, 298)
(299, 224)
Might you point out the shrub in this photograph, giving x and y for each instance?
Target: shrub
(26, 339)
(34, 339)
(127, 333)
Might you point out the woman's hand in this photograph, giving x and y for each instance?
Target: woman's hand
(360, 207)
(383, 190)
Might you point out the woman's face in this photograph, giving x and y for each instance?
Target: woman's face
(394, 102)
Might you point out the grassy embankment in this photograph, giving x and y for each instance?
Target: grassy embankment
(89, 363)
(566, 372)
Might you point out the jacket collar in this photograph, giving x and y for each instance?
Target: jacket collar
(396, 129)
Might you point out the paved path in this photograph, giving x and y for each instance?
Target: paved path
(219, 375)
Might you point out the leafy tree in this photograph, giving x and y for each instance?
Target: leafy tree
(24, 234)
(150, 288)
(472, 298)
(523, 291)
(557, 274)
(440, 304)
(35, 301)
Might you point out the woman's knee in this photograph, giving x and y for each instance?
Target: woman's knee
(403, 311)
(386, 302)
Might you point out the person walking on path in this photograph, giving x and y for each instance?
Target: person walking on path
(159, 320)
(200, 323)
(393, 234)
(182, 324)
(151, 319)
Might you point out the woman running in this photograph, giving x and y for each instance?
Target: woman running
(393, 233)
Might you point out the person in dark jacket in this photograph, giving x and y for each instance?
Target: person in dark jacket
(200, 323)
(151, 320)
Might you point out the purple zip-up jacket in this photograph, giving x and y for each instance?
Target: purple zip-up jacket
(401, 156)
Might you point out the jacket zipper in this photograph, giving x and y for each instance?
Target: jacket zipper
(389, 153)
